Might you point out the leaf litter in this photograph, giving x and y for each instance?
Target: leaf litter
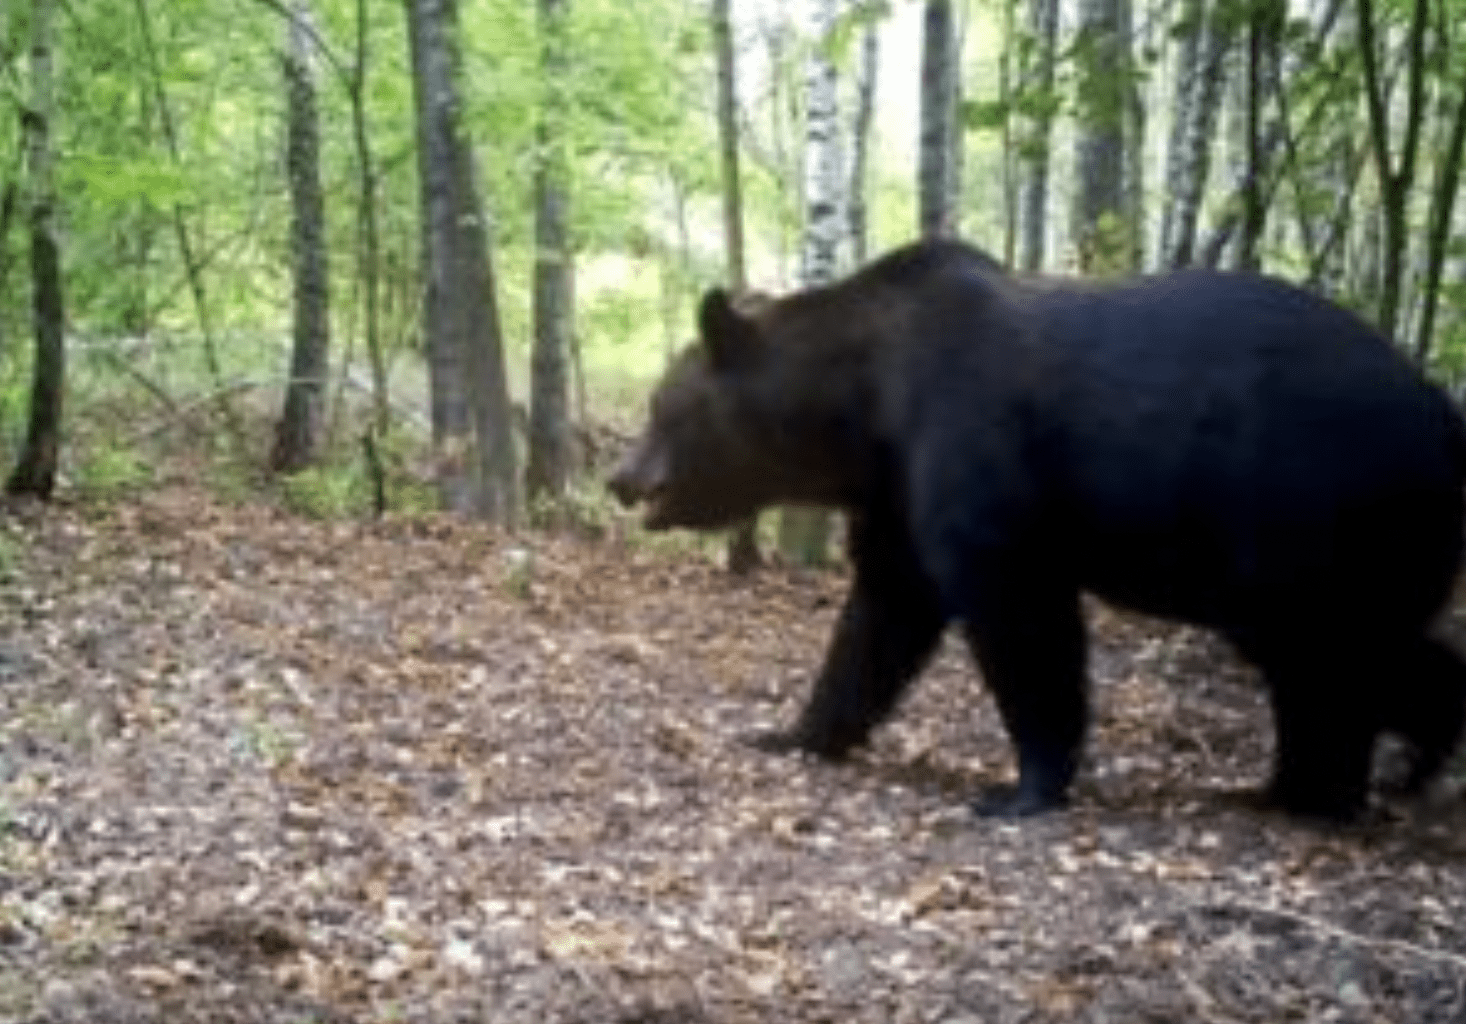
(260, 769)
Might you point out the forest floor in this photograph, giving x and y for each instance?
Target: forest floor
(260, 769)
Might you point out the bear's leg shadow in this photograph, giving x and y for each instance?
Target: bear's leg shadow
(886, 633)
(1029, 642)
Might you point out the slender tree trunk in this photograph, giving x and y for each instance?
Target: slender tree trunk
(370, 259)
(472, 425)
(1133, 125)
(743, 554)
(1396, 179)
(1442, 213)
(1200, 78)
(548, 471)
(1039, 100)
(936, 173)
(1264, 28)
(1103, 56)
(866, 73)
(804, 534)
(192, 265)
(722, 31)
(298, 434)
(35, 472)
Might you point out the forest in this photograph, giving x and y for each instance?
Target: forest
(334, 687)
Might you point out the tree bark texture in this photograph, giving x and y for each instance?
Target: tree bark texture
(1200, 76)
(472, 428)
(824, 184)
(298, 434)
(548, 471)
(936, 173)
(35, 471)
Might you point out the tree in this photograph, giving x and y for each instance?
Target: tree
(1102, 52)
(743, 553)
(298, 434)
(548, 470)
(35, 471)
(472, 429)
(1200, 75)
(1442, 205)
(937, 166)
(1394, 172)
(1039, 103)
(804, 533)
(866, 72)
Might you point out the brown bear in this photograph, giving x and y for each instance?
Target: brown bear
(1220, 449)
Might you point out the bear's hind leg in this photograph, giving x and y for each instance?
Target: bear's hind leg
(1326, 726)
(1427, 684)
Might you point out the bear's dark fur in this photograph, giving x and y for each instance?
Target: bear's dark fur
(1220, 449)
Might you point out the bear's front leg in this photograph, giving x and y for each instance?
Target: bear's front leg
(887, 630)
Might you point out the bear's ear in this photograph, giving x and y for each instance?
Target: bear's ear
(731, 339)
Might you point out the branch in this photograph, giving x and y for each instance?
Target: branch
(347, 75)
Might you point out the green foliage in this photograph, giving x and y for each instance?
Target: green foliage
(109, 472)
(1108, 249)
(327, 492)
(586, 509)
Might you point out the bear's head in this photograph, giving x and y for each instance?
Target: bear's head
(702, 460)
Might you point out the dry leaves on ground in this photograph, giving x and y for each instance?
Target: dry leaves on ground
(257, 769)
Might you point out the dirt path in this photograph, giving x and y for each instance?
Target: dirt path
(255, 769)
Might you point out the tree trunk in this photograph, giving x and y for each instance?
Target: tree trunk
(1395, 179)
(472, 428)
(936, 172)
(804, 534)
(548, 471)
(743, 554)
(1264, 28)
(370, 246)
(1200, 78)
(865, 104)
(1038, 100)
(298, 434)
(1103, 66)
(35, 472)
(1442, 212)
